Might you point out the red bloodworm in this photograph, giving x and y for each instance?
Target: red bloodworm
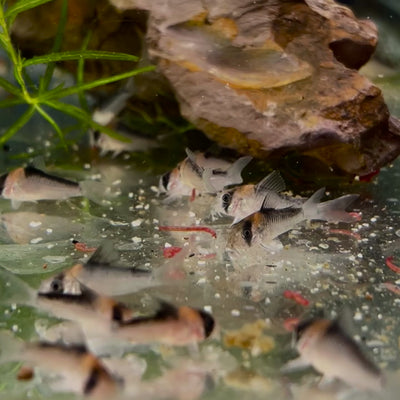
(392, 287)
(368, 177)
(193, 195)
(290, 323)
(297, 297)
(169, 252)
(79, 246)
(188, 229)
(391, 265)
(207, 256)
(346, 232)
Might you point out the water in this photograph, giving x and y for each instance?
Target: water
(341, 270)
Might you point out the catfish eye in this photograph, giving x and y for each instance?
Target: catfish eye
(165, 180)
(247, 233)
(57, 285)
(226, 201)
(96, 135)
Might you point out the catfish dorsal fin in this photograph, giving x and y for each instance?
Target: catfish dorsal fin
(192, 160)
(272, 182)
(166, 310)
(38, 163)
(104, 255)
(272, 201)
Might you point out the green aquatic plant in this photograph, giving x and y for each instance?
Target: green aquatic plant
(40, 98)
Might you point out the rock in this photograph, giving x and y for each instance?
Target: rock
(275, 77)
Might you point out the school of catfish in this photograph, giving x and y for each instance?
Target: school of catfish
(86, 294)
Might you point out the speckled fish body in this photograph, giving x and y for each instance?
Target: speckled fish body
(264, 226)
(241, 201)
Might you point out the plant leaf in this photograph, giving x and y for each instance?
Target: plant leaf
(78, 55)
(46, 78)
(58, 93)
(10, 87)
(20, 6)
(81, 115)
(53, 123)
(17, 125)
(11, 102)
(80, 71)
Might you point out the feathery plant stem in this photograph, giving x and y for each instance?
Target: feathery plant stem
(40, 99)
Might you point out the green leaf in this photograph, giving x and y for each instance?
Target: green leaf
(78, 55)
(20, 6)
(46, 79)
(81, 115)
(17, 125)
(11, 102)
(56, 94)
(10, 87)
(81, 71)
(53, 123)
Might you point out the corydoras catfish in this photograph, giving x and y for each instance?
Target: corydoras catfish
(104, 274)
(324, 345)
(67, 299)
(264, 226)
(32, 184)
(241, 201)
(107, 115)
(78, 370)
(177, 326)
(199, 174)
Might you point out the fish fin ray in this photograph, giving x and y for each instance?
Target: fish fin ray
(295, 365)
(166, 310)
(192, 160)
(335, 210)
(310, 207)
(15, 204)
(38, 163)
(104, 255)
(14, 290)
(234, 172)
(207, 174)
(272, 182)
(10, 346)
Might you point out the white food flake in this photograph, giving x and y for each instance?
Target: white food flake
(36, 240)
(208, 309)
(34, 224)
(137, 222)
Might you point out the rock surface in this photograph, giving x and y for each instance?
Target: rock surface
(273, 77)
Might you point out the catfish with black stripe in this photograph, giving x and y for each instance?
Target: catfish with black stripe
(324, 345)
(104, 273)
(264, 227)
(77, 369)
(32, 184)
(178, 326)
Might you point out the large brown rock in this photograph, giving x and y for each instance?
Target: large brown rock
(275, 77)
